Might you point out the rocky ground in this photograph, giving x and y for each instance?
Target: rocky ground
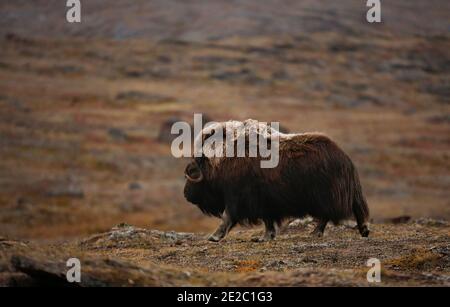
(412, 254)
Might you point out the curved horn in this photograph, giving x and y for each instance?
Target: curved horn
(188, 177)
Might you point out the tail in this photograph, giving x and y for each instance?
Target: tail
(360, 208)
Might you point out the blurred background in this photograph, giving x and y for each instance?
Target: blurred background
(86, 109)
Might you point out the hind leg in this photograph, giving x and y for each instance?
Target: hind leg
(269, 233)
(362, 225)
(363, 229)
(320, 228)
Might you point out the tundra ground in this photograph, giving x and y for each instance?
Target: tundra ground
(412, 254)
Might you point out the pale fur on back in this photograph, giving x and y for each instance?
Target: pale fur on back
(234, 130)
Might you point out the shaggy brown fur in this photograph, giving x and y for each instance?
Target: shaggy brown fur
(314, 177)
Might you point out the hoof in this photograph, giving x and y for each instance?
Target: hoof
(213, 238)
(364, 231)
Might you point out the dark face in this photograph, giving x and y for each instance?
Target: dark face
(194, 187)
(198, 190)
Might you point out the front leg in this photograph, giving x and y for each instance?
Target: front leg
(269, 234)
(320, 228)
(223, 228)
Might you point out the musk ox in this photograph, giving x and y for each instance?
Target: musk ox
(313, 177)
